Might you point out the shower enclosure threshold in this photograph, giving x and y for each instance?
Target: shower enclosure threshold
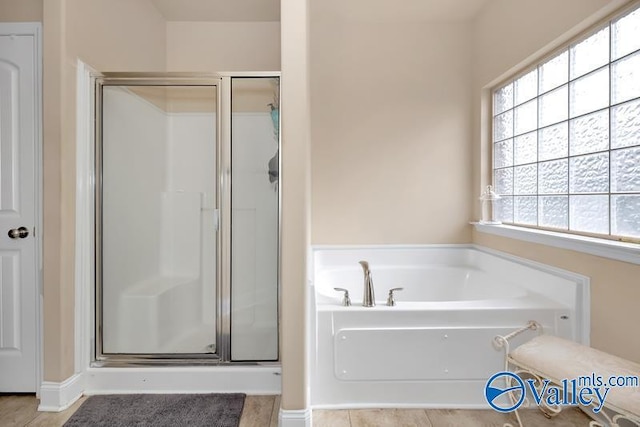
(223, 378)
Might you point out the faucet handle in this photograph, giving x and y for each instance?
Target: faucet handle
(346, 301)
(390, 300)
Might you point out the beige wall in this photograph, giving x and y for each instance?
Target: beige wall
(58, 329)
(390, 128)
(509, 35)
(295, 194)
(223, 46)
(116, 35)
(21, 10)
(123, 35)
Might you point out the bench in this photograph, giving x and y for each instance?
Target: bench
(551, 358)
(154, 312)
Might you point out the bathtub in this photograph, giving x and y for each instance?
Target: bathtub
(434, 347)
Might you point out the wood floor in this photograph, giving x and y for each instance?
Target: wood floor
(442, 418)
(262, 411)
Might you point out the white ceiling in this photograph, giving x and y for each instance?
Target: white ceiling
(219, 10)
(353, 10)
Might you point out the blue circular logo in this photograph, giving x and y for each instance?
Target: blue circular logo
(512, 385)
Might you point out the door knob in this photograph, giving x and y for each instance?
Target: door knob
(18, 233)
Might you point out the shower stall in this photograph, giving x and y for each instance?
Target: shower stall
(186, 218)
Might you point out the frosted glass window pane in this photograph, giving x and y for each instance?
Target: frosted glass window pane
(589, 174)
(566, 152)
(526, 87)
(553, 142)
(553, 177)
(525, 179)
(503, 153)
(554, 72)
(525, 210)
(625, 125)
(625, 170)
(504, 209)
(503, 99)
(503, 126)
(504, 180)
(589, 93)
(590, 133)
(625, 211)
(525, 148)
(589, 213)
(625, 34)
(553, 211)
(526, 117)
(626, 79)
(590, 53)
(553, 107)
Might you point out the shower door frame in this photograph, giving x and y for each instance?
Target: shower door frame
(222, 82)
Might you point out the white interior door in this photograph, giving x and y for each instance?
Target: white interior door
(18, 278)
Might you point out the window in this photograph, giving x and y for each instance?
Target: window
(566, 137)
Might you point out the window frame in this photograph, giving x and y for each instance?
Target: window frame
(630, 245)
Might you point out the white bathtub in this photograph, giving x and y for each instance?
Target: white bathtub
(420, 284)
(434, 348)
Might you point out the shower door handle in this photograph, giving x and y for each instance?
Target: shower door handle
(216, 219)
(18, 233)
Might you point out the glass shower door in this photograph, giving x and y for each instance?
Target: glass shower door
(254, 218)
(157, 219)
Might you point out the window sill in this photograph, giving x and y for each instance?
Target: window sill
(620, 251)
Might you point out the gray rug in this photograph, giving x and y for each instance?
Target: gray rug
(116, 410)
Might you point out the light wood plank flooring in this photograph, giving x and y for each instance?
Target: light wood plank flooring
(262, 411)
(442, 418)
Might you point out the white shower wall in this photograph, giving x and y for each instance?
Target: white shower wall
(191, 166)
(133, 135)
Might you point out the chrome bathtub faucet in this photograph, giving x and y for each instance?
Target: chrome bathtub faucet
(368, 297)
(391, 302)
(346, 301)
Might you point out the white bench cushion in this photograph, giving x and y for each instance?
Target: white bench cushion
(556, 358)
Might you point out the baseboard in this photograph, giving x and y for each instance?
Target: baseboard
(56, 397)
(295, 418)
